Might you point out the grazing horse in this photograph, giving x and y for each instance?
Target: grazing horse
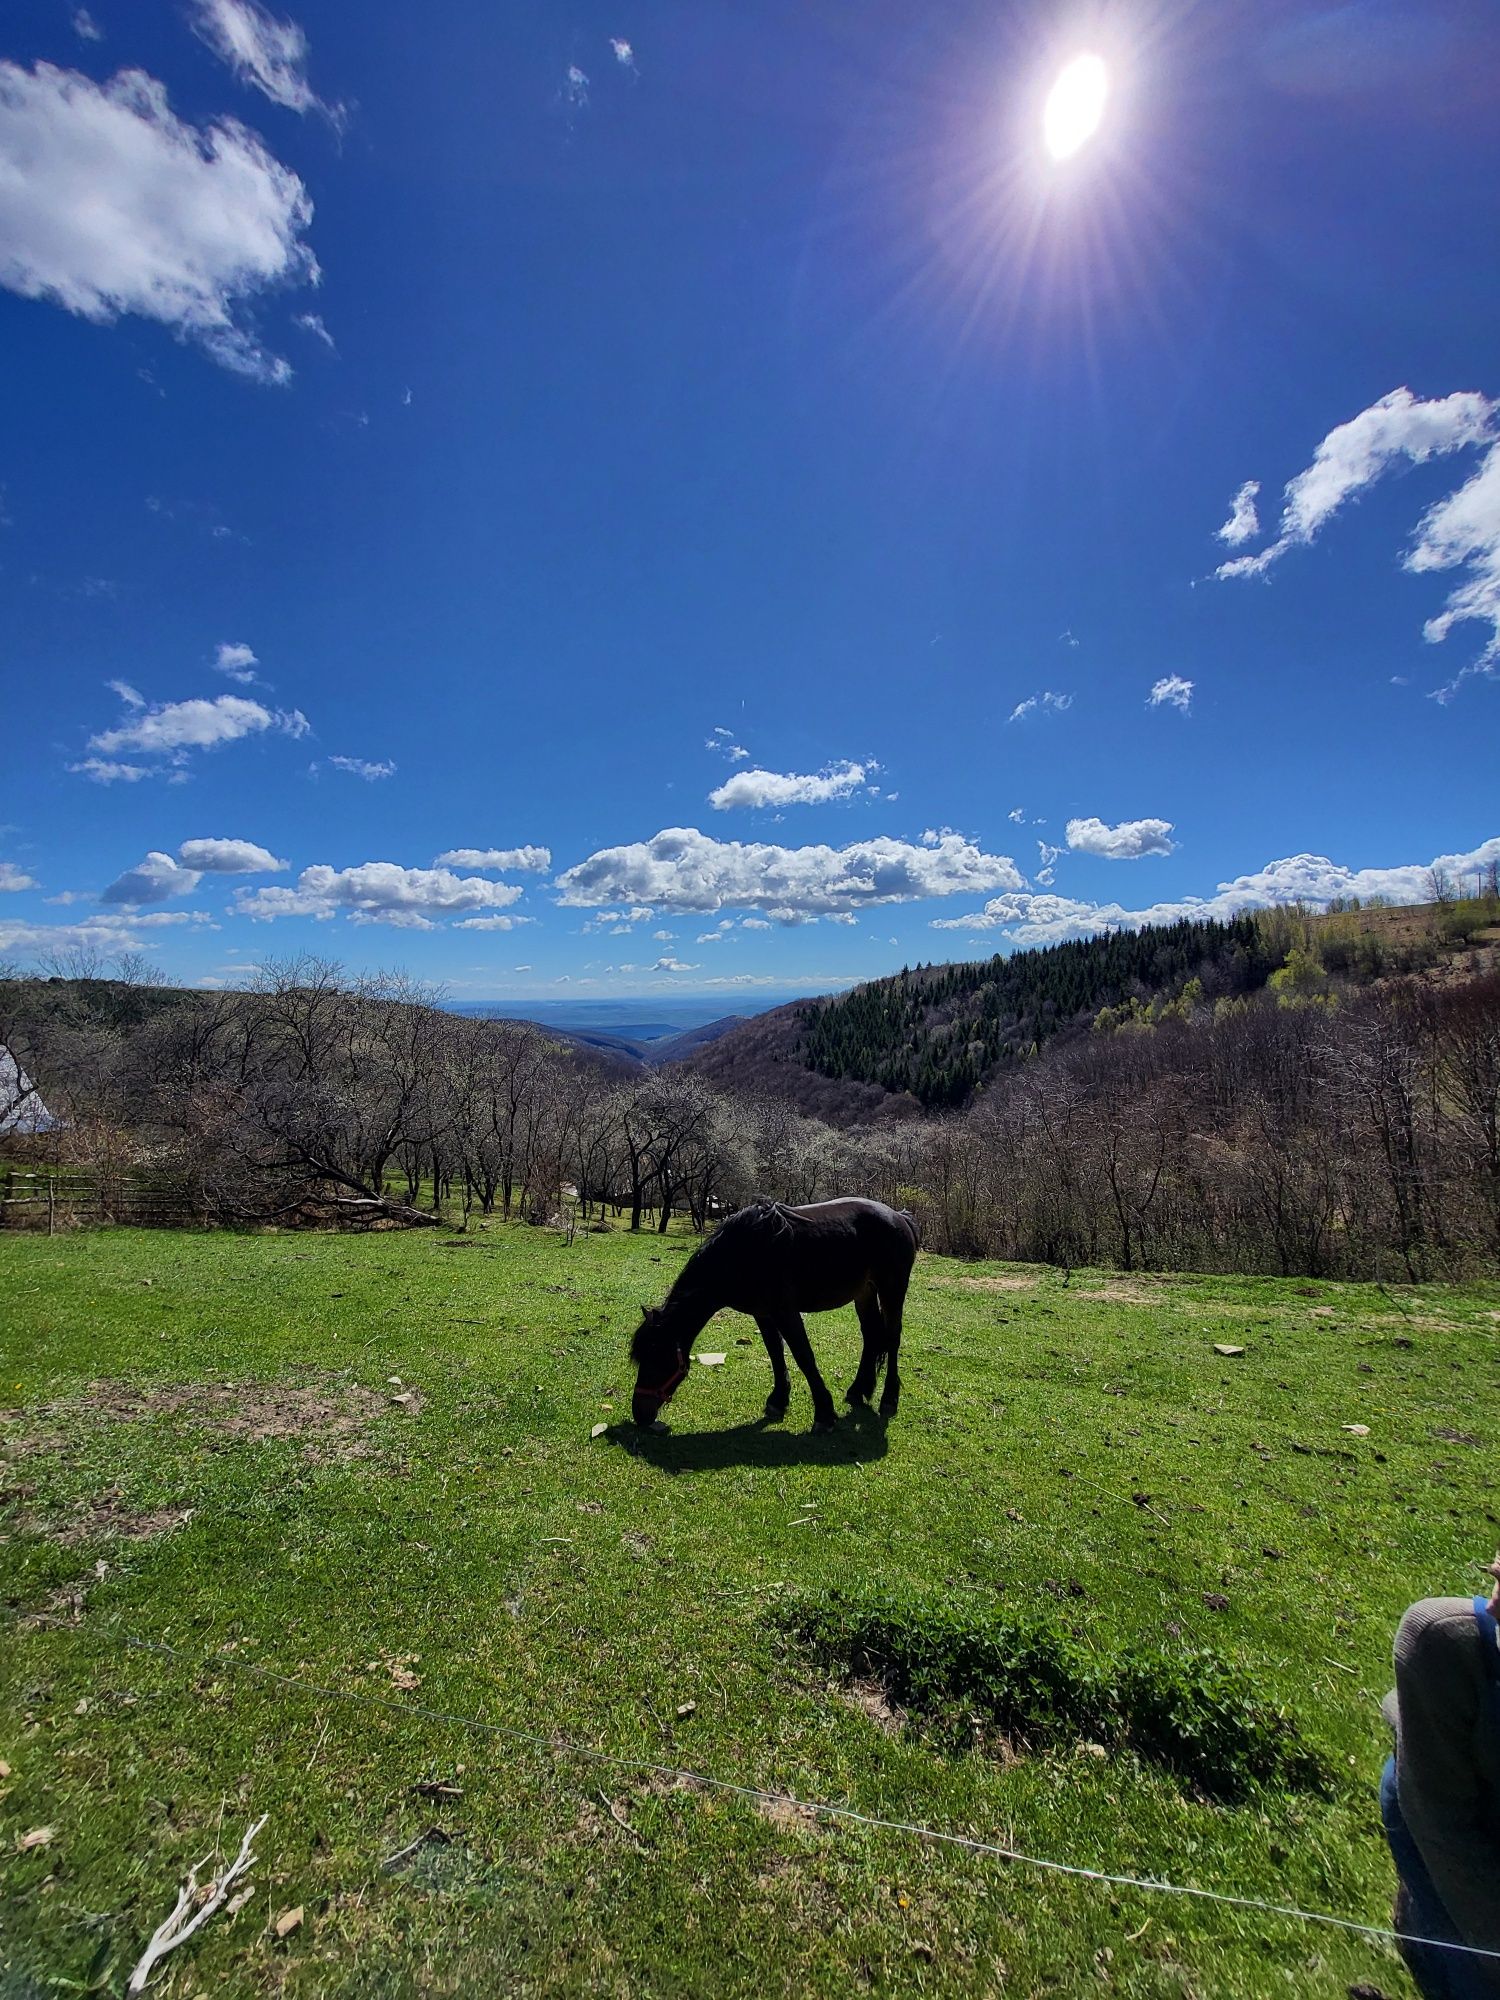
(776, 1263)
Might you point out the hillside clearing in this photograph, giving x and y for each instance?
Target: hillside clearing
(1073, 1456)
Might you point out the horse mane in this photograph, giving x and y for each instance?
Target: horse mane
(770, 1220)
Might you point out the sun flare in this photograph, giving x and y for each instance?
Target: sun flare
(1075, 105)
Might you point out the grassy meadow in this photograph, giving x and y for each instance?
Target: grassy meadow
(202, 1448)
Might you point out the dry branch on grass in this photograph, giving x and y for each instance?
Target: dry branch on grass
(194, 1906)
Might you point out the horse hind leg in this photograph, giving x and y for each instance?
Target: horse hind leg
(892, 1300)
(781, 1387)
(872, 1327)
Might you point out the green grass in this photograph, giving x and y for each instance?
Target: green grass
(1070, 1456)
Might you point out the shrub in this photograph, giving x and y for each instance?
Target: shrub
(947, 1663)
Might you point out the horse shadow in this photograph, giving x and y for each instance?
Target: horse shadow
(858, 1438)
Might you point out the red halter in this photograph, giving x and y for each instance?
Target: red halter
(663, 1390)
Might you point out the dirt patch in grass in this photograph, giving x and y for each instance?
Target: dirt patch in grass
(1001, 1284)
(873, 1699)
(330, 1417)
(1125, 1291)
(107, 1517)
(788, 1815)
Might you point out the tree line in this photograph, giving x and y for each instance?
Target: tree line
(1306, 1126)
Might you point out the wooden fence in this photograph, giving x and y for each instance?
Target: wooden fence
(52, 1198)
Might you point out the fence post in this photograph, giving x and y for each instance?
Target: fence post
(51, 1204)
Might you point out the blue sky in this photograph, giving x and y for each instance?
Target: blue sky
(669, 497)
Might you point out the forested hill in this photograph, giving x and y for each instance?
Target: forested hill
(939, 1030)
(930, 1034)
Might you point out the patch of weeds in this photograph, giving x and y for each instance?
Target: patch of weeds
(955, 1670)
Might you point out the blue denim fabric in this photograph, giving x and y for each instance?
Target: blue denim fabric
(1440, 1975)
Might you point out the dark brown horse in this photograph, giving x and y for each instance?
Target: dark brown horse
(776, 1263)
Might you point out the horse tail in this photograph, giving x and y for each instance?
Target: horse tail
(916, 1233)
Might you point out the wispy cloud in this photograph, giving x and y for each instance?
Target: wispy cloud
(623, 53)
(1044, 702)
(105, 771)
(362, 767)
(755, 789)
(1460, 532)
(131, 697)
(1129, 841)
(267, 54)
(85, 27)
(1354, 455)
(1243, 524)
(111, 204)
(12, 878)
(1171, 691)
(313, 323)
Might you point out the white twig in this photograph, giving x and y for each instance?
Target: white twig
(177, 1928)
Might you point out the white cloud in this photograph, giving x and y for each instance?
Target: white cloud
(753, 789)
(1243, 524)
(151, 881)
(179, 726)
(1128, 841)
(119, 931)
(1173, 691)
(1027, 919)
(229, 857)
(361, 767)
(683, 869)
(85, 27)
(575, 88)
(493, 923)
(111, 204)
(313, 323)
(1018, 814)
(104, 771)
(1355, 454)
(1044, 700)
(12, 878)
(500, 860)
(624, 54)
(379, 892)
(665, 965)
(267, 54)
(723, 740)
(1461, 532)
(236, 663)
(749, 924)
(129, 695)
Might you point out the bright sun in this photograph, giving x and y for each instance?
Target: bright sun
(1075, 105)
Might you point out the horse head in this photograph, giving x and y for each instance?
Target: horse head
(661, 1362)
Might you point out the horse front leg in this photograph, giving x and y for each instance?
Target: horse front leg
(872, 1327)
(781, 1387)
(795, 1334)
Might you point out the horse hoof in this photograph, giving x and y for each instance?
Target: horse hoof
(824, 1425)
(889, 1409)
(774, 1410)
(854, 1395)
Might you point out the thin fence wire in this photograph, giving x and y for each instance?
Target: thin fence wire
(556, 1746)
